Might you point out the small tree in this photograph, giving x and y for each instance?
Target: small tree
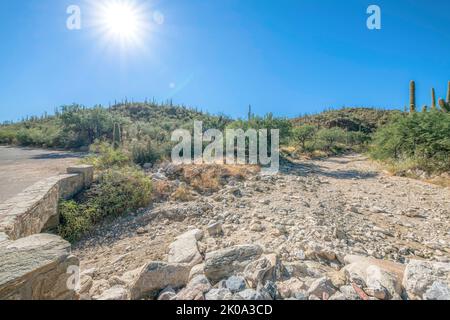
(303, 134)
(330, 137)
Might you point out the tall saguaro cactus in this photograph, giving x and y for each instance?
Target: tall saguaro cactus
(116, 136)
(412, 96)
(448, 92)
(433, 99)
(445, 106)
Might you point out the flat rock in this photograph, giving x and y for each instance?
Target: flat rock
(223, 263)
(37, 267)
(185, 250)
(155, 276)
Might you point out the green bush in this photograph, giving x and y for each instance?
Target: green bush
(304, 134)
(76, 219)
(419, 138)
(105, 156)
(330, 138)
(7, 135)
(117, 192)
(149, 152)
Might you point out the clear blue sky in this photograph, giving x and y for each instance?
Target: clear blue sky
(287, 56)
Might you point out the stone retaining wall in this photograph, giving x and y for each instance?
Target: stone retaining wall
(33, 265)
(36, 208)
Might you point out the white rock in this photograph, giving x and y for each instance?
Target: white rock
(438, 291)
(114, 293)
(155, 276)
(197, 270)
(219, 294)
(215, 229)
(421, 275)
(185, 250)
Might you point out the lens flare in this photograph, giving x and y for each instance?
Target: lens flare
(123, 22)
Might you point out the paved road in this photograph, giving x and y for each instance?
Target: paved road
(22, 167)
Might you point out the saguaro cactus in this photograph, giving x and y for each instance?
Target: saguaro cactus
(433, 99)
(448, 92)
(116, 136)
(412, 96)
(445, 107)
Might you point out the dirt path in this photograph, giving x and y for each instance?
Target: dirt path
(340, 205)
(22, 167)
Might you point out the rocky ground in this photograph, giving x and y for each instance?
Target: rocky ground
(338, 228)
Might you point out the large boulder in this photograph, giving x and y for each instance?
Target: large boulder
(184, 249)
(155, 276)
(226, 262)
(379, 278)
(38, 267)
(427, 280)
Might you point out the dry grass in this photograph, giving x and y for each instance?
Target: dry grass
(210, 178)
(183, 193)
(443, 180)
(162, 190)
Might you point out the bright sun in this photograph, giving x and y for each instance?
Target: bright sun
(122, 21)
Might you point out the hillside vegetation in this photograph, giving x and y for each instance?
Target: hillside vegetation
(140, 132)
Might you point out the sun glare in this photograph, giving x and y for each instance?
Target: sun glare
(122, 21)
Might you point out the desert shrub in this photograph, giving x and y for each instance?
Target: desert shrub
(268, 122)
(357, 138)
(420, 139)
(7, 135)
(105, 156)
(330, 138)
(76, 219)
(183, 194)
(149, 152)
(304, 134)
(162, 190)
(207, 178)
(116, 192)
(82, 126)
